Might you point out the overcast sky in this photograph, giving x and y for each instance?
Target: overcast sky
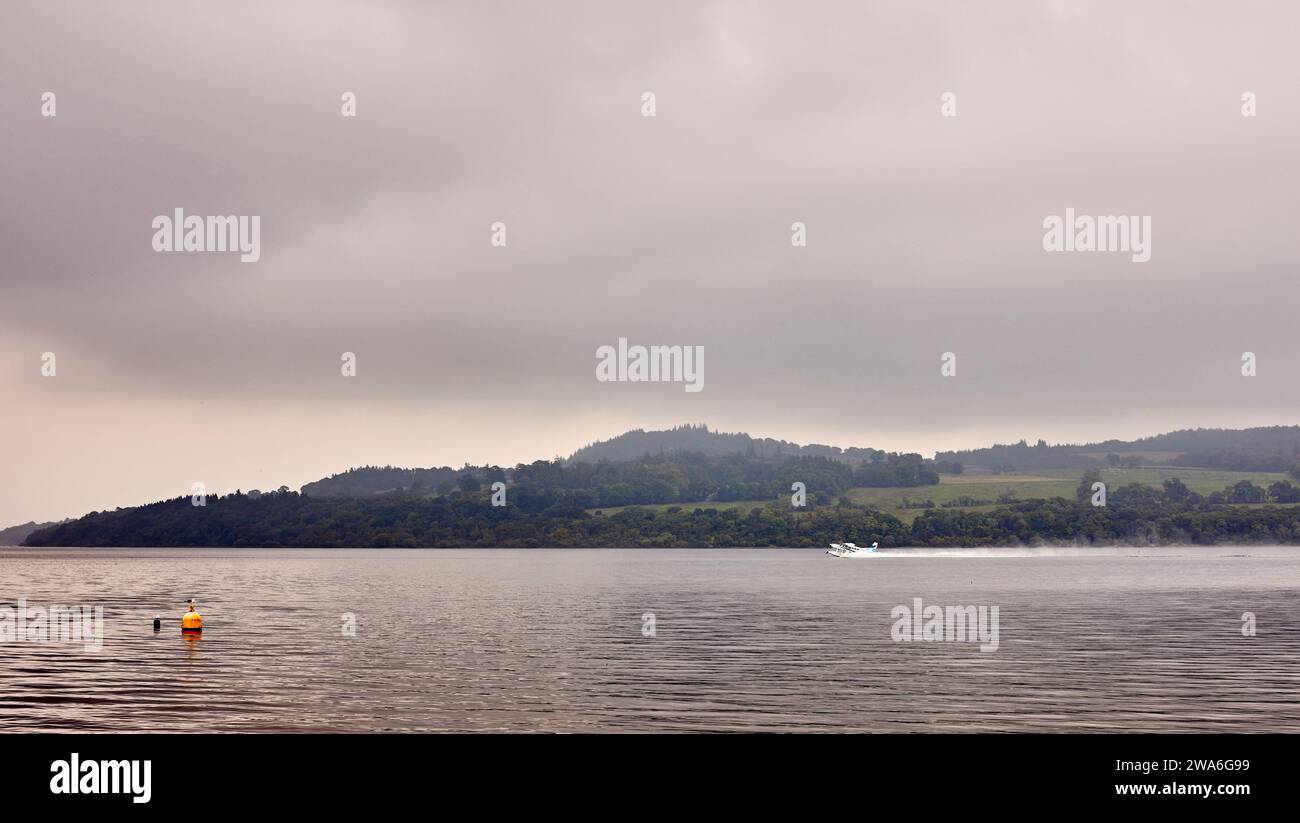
(924, 232)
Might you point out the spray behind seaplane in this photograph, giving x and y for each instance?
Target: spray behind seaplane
(850, 550)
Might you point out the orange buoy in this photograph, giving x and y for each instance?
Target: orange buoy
(192, 621)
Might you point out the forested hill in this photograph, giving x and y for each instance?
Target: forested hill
(743, 492)
(1136, 516)
(693, 463)
(1266, 448)
(15, 535)
(689, 438)
(674, 477)
(369, 480)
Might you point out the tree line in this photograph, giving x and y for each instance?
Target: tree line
(674, 477)
(464, 518)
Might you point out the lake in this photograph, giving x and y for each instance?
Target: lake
(576, 640)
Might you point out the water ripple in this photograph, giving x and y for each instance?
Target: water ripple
(540, 640)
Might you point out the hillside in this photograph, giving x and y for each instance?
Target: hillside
(1272, 449)
(670, 477)
(681, 475)
(1135, 514)
(688, 464)
(15, 535)
(1262, 449)
(638, 443)
(371, 480)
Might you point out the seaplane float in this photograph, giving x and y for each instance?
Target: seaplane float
(850, 550)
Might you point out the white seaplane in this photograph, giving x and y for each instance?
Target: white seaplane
(850, 550)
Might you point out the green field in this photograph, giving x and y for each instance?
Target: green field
(1053, 483)
(1201, 481)
(952, 487)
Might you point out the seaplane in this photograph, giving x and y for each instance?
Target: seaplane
(850, 550)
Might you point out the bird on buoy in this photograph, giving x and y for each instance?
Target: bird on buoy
(157, 622)
(192, 621)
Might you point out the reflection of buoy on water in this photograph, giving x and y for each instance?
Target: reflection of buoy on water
(157, 622)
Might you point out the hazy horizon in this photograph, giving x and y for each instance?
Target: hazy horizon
(925, 233)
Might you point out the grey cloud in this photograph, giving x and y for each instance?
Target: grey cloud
(924, 232)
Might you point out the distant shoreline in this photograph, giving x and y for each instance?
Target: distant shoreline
(1056, 550)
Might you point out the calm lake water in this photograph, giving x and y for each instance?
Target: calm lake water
(554, 640)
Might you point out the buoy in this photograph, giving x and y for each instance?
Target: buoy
(157, 622)
(191, 621)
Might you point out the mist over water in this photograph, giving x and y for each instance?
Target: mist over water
(552, 640)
